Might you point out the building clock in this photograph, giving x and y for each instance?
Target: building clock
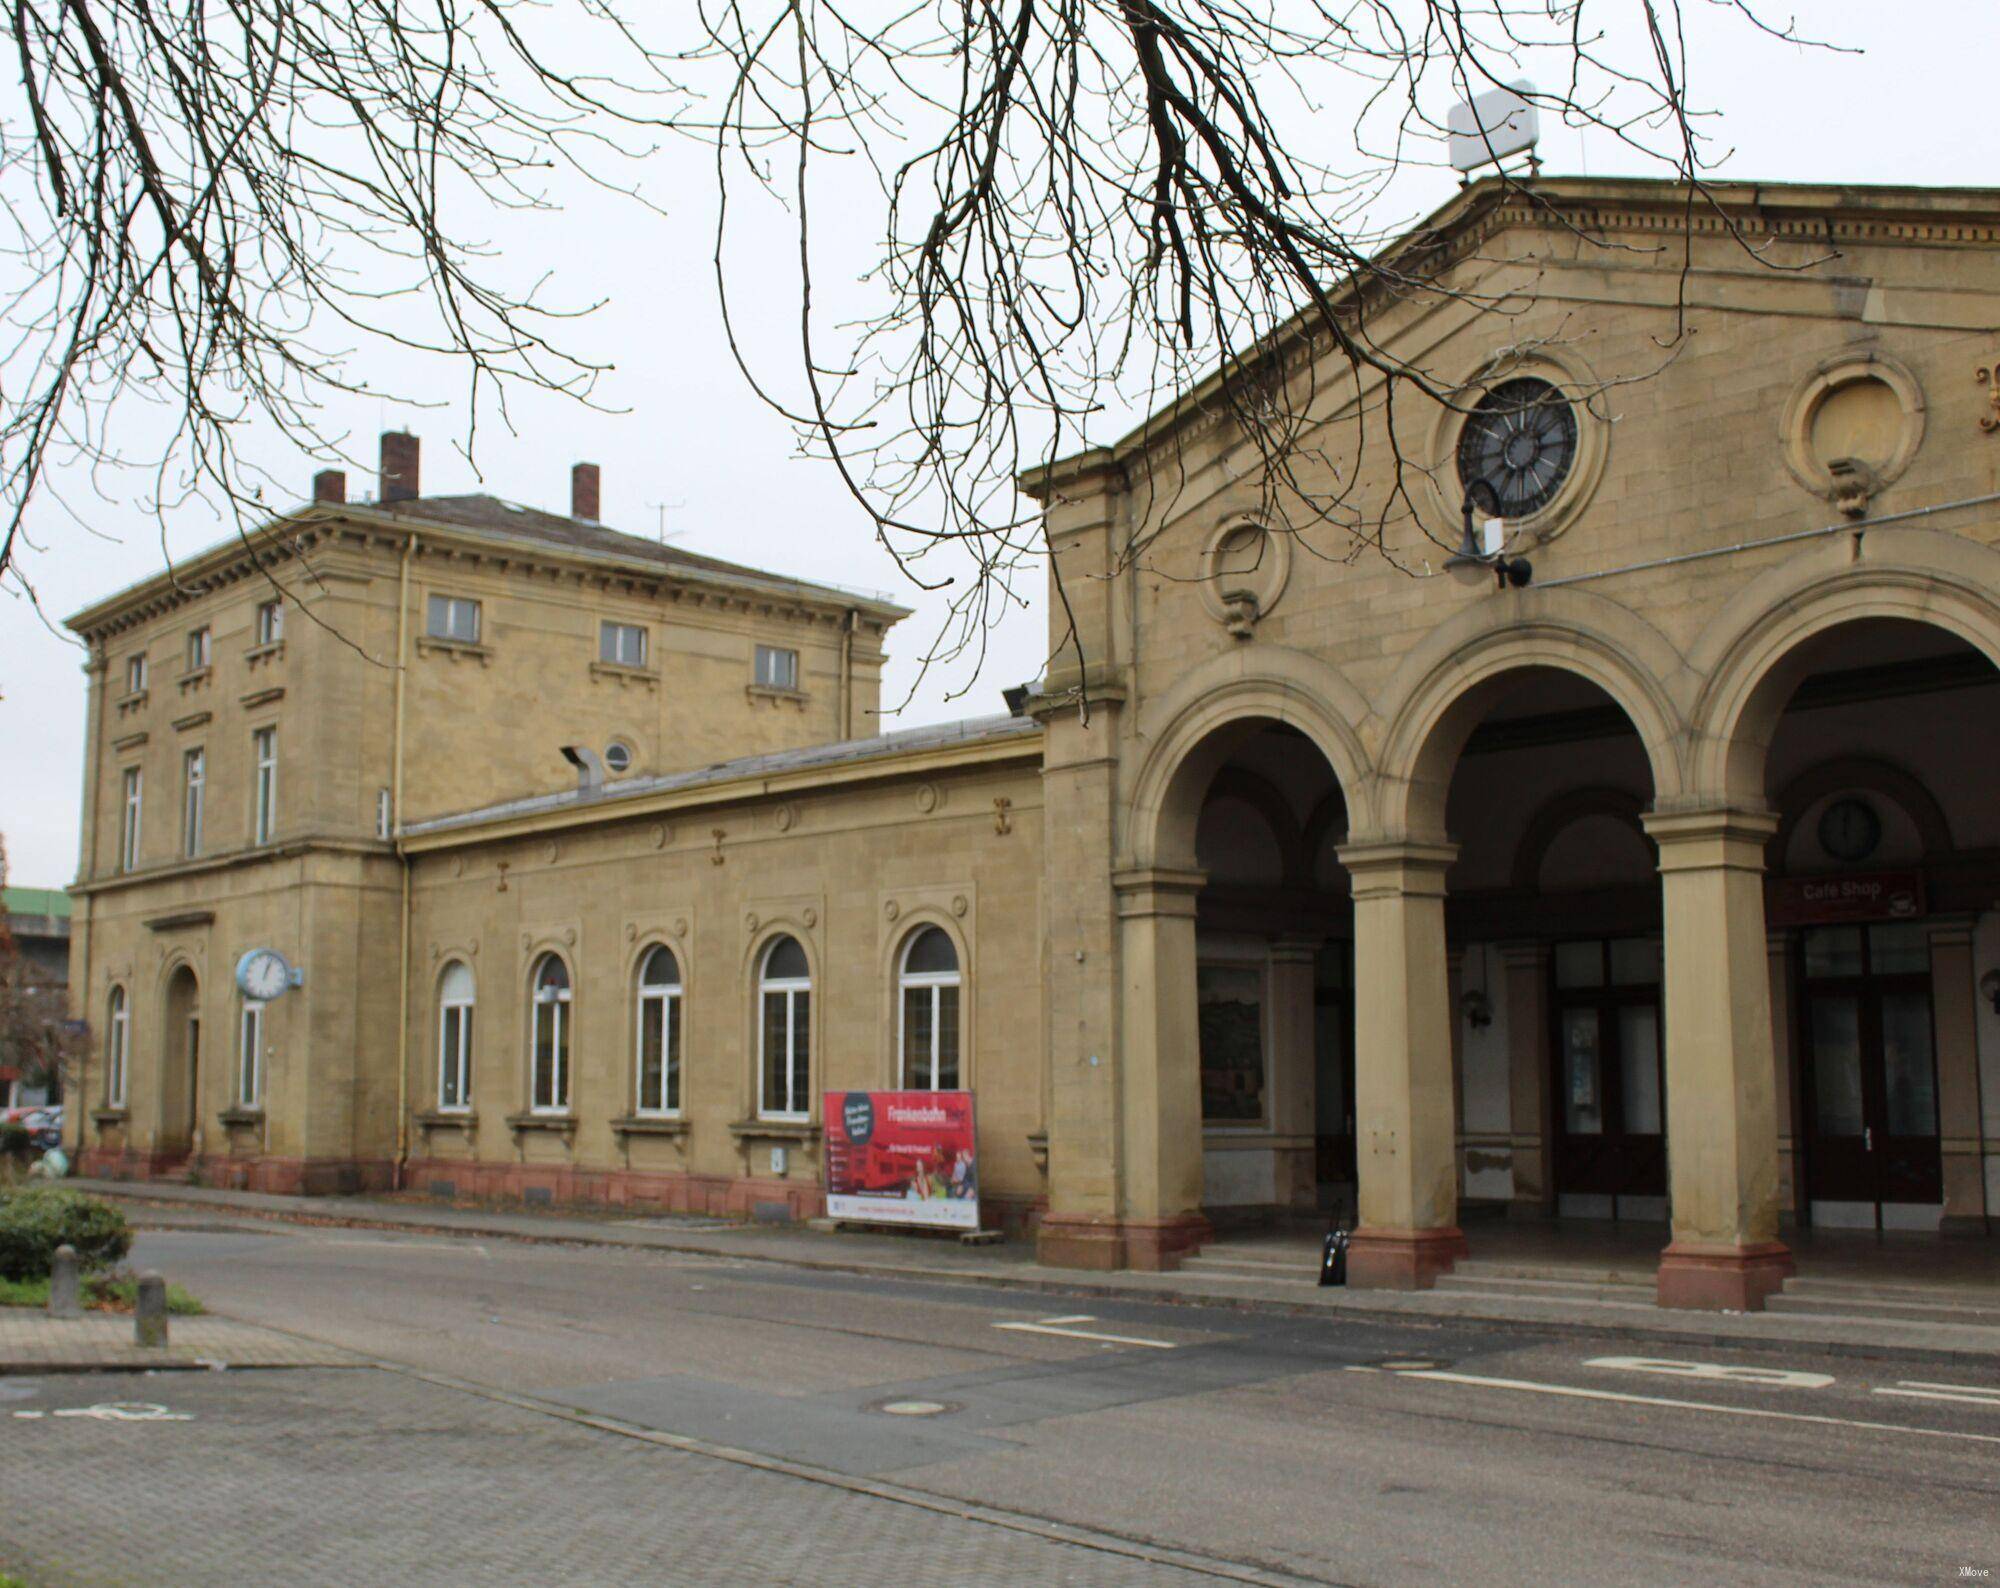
(1850, 830)
(262, 974)
(1520, 439)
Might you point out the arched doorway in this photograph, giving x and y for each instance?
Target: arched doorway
(1880, 752)
(180, 1066)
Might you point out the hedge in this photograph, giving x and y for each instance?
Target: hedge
(35, 1220)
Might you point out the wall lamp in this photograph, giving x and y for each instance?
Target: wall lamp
(1479, 555)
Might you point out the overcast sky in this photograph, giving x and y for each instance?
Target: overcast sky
(697, 452)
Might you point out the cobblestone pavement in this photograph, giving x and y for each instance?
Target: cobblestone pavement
(366, 1476)
(31, 1341)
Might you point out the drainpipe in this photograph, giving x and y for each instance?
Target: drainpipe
(847, 674)
(403, 860)
(81, 923)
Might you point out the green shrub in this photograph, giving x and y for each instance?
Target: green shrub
(35, 1220)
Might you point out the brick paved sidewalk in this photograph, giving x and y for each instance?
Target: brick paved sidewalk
(375, 1477)
(33, 1342)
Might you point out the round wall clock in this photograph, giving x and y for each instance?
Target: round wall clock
(1850, 830)
(262, 974)
(1521, 440)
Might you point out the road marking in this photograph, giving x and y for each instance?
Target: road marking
(125, 1412)
(1970, 1394)
(1720, 1372)
(1052, 1326)
(1479, 1381)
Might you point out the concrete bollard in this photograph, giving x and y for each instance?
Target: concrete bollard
(65, 1287)
(149, 1313)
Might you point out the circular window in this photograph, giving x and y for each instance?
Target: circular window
(1521, 440)
(618, 756)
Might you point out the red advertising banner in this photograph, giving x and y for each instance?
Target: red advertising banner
(1855, 896)
(902, 1158)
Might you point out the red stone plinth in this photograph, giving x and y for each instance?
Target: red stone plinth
(1722, 1277)
(1082, 1241)
(1402, 1259)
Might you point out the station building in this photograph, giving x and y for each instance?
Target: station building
(1657, 883)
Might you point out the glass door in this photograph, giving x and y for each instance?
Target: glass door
(1871, 1071)
(1610, 1099)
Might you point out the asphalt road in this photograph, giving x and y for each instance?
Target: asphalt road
(1326, 1449)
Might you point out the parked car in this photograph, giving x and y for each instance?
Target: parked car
(44, 1126)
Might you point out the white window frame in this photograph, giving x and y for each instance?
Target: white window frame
(135, 808)
(117, 1047)
(200, 649)
(453, 608)
(934, 982)
(270, 622)
(455, 1039)
(558, 1001)
(788, 988)
(768, 671)
(250, 1056)
(194, 773)
(622, 644)
(135, 674)
(668, 996)
(264, 795)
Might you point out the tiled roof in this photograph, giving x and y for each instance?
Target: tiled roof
(35, 901)
(937, 736)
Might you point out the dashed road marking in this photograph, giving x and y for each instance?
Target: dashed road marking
(1717, 1372)
(1965, 1394)
(1057, 1327)
(1529, 1386)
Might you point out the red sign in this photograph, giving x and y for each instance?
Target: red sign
(1852, 896)
(902, 1158)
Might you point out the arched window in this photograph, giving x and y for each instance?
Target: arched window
(550, 1014)
(929, 987)
(455, 1000)
(659, 1033)
(117, 1045)
(785, 1031)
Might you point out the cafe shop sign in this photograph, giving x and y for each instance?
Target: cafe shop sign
(1850, 896)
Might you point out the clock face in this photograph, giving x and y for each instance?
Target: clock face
(263, 974)
(1850, 830)
(1520, 440)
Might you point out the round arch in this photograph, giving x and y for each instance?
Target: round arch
(1201, 720)
(1873, 774)
(1454, 678)
(1753, 655)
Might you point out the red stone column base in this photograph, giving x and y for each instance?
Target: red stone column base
(1067, 1240)
(1722, 1277)
(1402, 1259)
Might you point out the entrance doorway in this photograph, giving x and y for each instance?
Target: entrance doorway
(180, 1066)
(1609, 1084)
(1873, 1156)
(1334, 1169)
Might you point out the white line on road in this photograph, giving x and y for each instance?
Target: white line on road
(1716, 1372)
(1052, 1326)
(1970, 1394)
(1479, 1381)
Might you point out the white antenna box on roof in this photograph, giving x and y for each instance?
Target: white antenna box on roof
(1492, 126)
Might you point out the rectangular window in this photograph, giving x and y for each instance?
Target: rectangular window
(250, 1079)
(551, 1078)
(385, 814)
(196, 773)
(777, 669)
(623, 643)
(1230, 1021)
(128, 833)
(264, 748)
(787, 1054)
(455, 1057)
(270, 622)
(453, 618)
(135, 673)
(198, 649)
(659, 1053)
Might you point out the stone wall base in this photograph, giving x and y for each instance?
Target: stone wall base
(1082, 1241)
(1402, 1259)
(1720, 1277)
(307, 1177)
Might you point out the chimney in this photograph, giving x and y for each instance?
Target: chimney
(583, 492)
(330, 485)
(399, 467)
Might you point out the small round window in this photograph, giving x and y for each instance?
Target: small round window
(1521, 440)
(618, 756)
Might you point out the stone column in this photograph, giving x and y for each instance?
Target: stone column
(1404, 1121)
(1785, 1071)
(1159, 1067)
(1526, 969)
(1722, 1112)
(1294, 1072)
(1955, 1019)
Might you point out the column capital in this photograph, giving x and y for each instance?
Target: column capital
(1524, 953)
(1156, 890)
(1705, 838)
(1378, 867)
(1295, 950)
